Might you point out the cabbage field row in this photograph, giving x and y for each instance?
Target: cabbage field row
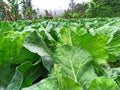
(60, 54)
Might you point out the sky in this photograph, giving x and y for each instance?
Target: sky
(53, 4)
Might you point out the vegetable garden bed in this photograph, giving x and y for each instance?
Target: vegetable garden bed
(60, 54)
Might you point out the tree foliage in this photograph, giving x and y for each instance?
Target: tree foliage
(76, 10)
(103, 8)
(27, 6)
(72, 5)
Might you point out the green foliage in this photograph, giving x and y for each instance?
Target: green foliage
(2, 11)
(27, 9)
(75, 11)
(73, 62)
(48, 83)
(60, 54)
(103, 8)
(103, 83)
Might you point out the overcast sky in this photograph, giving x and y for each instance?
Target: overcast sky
(54, 4)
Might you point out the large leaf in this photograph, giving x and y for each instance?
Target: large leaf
(10, 45)
(7, 71)
(5, 27)
(69, 84)
(76, 63)
(114, 45)
(66, 34)
(65, 83)
(45, 84)
(103, 83)
(25, 55)
(35, 44)
(52, 84)
(107, 30)
(16, 82)
(96, 45)
(25, 75)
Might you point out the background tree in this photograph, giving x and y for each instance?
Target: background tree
(81, 8)
(14, 8)
(27, 9)
(48, 15)
(72, 5)
(75, 10)
(5, 11)
(104, 8)
(2, 10)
